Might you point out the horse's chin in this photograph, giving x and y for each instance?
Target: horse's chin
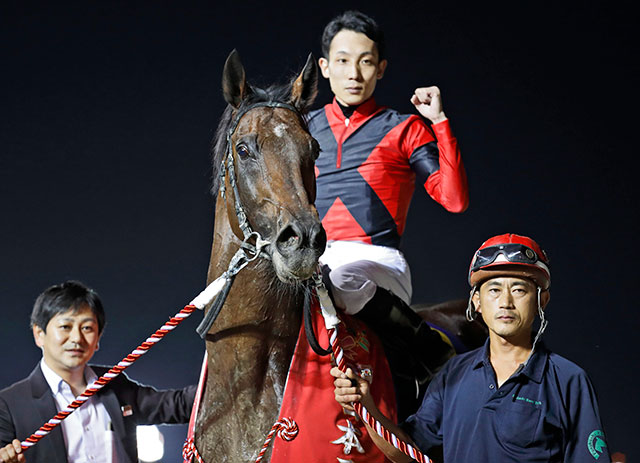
(293, 272)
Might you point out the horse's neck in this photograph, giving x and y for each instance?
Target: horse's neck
(249, 347)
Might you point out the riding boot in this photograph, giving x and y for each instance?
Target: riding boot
(415, 351)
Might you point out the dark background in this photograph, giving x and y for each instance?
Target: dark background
(108, 111)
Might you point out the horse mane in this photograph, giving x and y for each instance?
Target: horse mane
(272, 94)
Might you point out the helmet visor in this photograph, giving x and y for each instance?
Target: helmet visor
(512, 253)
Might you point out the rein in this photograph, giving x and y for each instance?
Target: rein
(308, 328)
(223, 283)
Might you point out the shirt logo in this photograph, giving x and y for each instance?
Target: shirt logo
(596, 443)
(535, 403)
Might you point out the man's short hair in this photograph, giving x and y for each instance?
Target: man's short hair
(70, 295)
(353, 21)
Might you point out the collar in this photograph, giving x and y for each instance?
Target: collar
(362, 112)
(55, 381)
(534, 369)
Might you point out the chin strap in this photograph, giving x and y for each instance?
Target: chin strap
(543, 325)
(471, 310)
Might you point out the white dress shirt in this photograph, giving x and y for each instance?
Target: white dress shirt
(87, 431)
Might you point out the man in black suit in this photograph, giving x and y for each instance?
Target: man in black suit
(67, 322)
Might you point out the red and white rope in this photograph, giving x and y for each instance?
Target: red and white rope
(109, 376)
(189, 451)
(364, 414)
(287, 430)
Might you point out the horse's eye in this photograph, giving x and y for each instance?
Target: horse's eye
(242, 151)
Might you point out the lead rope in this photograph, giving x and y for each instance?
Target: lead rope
(331, 323)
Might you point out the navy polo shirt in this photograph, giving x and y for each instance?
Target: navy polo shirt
(547, 412)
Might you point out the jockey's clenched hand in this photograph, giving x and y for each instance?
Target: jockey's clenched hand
(428, 102)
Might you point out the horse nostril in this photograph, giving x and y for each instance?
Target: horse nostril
(296, 236)
(288, 239)
(318, 237)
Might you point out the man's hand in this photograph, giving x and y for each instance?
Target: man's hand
(349, 388)
(428, 102)
(352, 388)
(12, 453)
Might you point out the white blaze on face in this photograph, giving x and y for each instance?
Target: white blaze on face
(279, 130)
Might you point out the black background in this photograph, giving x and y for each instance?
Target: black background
(108, 111)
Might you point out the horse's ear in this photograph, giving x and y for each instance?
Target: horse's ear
(234, 84)
(305, 88)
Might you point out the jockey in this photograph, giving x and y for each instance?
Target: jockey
(369, 161)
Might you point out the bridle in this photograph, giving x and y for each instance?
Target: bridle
(247, 252)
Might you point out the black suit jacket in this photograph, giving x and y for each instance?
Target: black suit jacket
(28, 404)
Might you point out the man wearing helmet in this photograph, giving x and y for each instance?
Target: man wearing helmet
(512, 400)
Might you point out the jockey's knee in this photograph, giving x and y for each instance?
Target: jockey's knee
(351, 290)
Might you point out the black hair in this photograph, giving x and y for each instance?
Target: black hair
(353, 21)
(70, 295)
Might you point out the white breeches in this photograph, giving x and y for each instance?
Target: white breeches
(357, 269)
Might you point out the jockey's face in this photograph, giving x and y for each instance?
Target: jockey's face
(509, 306)
(353, 67)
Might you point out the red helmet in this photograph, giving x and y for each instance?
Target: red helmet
(510, 255)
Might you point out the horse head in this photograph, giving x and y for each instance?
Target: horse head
(265, 149)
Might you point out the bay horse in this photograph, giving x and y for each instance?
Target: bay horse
(267, 184)
(251, 344)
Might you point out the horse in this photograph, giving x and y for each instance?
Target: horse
(250, 346)
(263, 157)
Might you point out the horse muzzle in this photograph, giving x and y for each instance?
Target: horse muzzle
(297, 248)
